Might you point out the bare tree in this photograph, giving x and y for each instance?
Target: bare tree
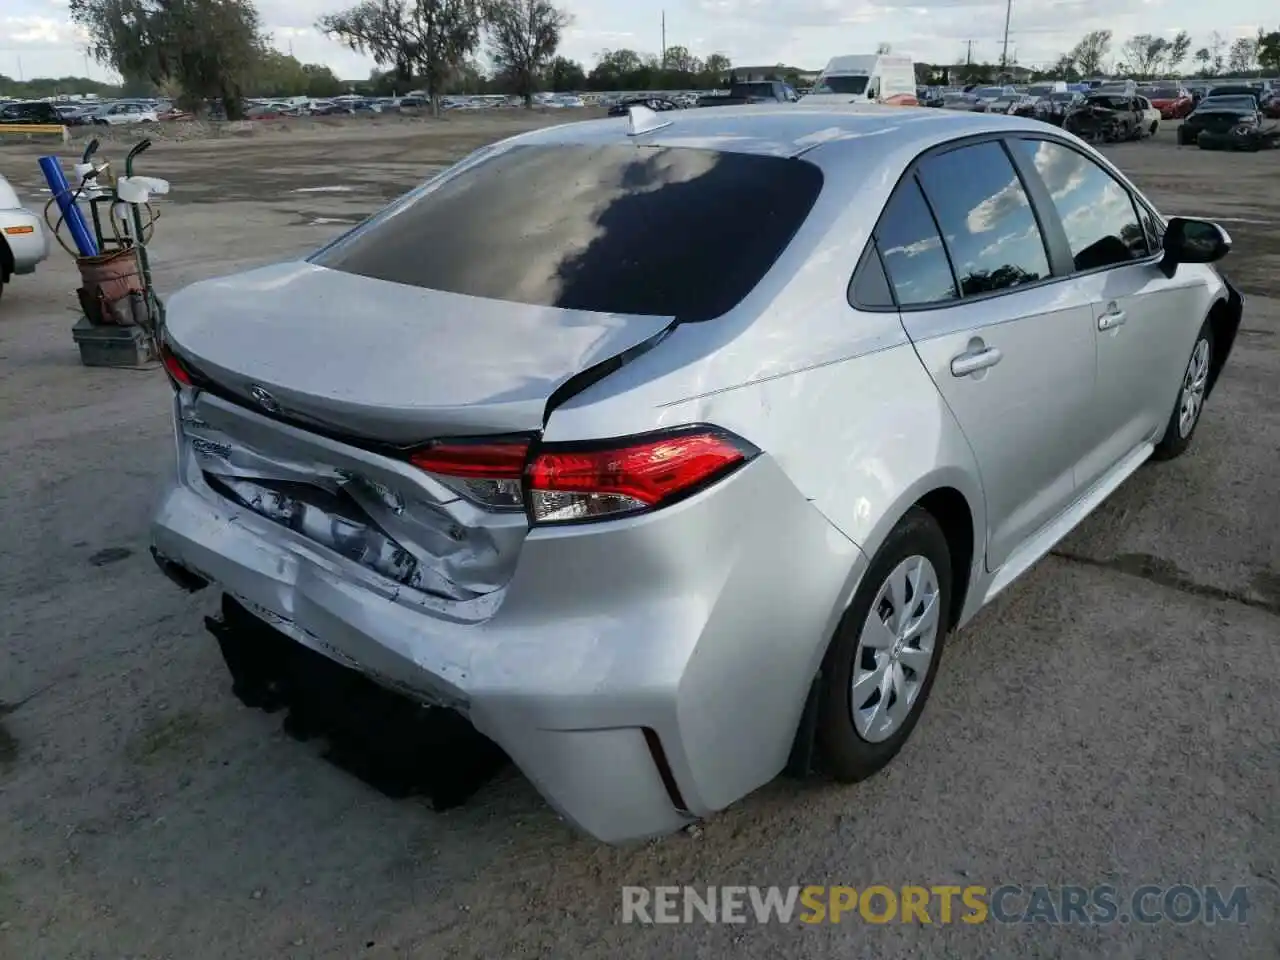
(427, 38)
(1144, 53)
(1179, 47)
(1089, 53)
(1243, 56)
(523, 38)
(1217, 51)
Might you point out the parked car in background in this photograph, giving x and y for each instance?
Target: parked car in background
(74, 116)
(125, 112)
(1106, 117)
(1233, 90)
(1019, 105)
(1150, 116)
(755, 91)
(660, 104)
(1174, 103)
(24, 242)
(547, 488)
(989, 95)
(1055, 107)
(30, 112)
(962, 101)
(1219, 115)
(1270, 106)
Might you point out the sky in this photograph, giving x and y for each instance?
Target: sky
(38, 39)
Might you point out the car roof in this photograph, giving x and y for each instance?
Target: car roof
(788, 130)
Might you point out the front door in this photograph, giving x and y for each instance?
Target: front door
(1140, 317)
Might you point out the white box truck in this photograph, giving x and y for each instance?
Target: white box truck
(866, 78)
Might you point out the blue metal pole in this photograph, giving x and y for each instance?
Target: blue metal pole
(62, 192)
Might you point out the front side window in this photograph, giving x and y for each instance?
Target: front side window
(912, 250)
(660, 231)
(986, 218)
(1097, 213)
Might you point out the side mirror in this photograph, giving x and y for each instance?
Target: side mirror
(1193, 241)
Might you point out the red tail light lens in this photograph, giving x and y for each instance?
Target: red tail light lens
(488, 473)
(573, 483)
(173, 367)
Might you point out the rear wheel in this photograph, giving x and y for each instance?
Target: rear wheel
(881, 664)
(1190, 403)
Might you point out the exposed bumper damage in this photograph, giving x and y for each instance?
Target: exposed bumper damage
(636, 678)
(1247, 139)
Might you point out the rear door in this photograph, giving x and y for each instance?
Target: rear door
(1144, 323)
(1012, 354)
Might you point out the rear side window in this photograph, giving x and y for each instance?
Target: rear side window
(615, 229)
(912, 250)
(986, 218)
(1097, 213)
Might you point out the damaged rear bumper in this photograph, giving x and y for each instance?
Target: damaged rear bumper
(641, 673)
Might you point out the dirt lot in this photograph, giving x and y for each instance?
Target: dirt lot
(1112, 719)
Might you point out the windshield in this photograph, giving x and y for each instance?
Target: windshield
(1062, 97)
(1111, 103)
(1039, 90)
(853, 85)
(989, 92)
(1164, 93)
(663, 231)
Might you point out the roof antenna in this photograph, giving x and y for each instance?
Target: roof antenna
(643, 120)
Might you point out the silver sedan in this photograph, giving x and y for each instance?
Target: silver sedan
(24, 241)
(668, 449)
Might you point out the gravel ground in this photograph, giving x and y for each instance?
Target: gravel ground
(1111, 719)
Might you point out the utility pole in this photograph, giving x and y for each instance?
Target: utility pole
(664, 39)
(20, 77)
(968, 53)
(1004, 54)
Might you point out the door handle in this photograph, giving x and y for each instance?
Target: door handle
(975, 360)
(1112, 317)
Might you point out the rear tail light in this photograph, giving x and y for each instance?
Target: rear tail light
(488, 473)
(561, 483)
(579, 482)
(178, 373)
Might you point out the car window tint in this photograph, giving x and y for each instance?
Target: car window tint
(913, 254)
(660, 231)
(1097, 213)
(870, 283)
(986, 218)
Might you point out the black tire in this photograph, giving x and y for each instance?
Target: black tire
(1174, 443)
(846, 755)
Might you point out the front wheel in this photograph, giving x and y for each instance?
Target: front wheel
(1191, 395)
(881, 664)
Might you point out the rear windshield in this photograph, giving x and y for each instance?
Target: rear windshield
(613, 229)
(1164, 93)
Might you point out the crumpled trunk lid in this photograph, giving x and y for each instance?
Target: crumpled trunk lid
(385, 361)
(311, 383)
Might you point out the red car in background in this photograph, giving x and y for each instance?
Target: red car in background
(1173, 103)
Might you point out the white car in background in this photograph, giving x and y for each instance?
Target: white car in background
(1150, 117)
(23, 241)
(124, 112)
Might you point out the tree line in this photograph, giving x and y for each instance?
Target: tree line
(1144, 56)
(1147, 56)
(202, 50)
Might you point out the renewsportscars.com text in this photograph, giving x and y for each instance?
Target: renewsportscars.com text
(940, 904)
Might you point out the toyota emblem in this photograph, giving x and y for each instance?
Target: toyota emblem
(265, 400)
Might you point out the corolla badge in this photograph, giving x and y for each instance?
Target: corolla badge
(265, 400)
